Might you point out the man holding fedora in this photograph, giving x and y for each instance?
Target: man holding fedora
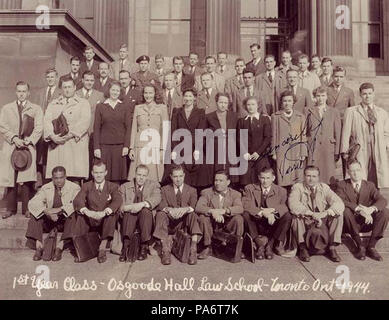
(21, 124)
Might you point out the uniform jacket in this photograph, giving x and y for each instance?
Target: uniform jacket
(151, 193)
(144, 78)
(300, 200)
(90, 198)
(95, 98)
(356, 128)
(45, 196)
(169, 200)
(9, 128)
(209, 199)
(276, 199)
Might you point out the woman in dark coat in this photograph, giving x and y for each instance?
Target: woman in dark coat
(224, 120)
(189, 118)
(111, 134)
(255, 149)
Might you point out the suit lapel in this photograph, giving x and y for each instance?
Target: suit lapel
(215, 200)
(185, 195)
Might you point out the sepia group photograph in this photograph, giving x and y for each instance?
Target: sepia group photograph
(189, 155)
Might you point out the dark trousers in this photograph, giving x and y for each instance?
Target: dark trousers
(27, 191)
(260, 226)
(144, 219)
(165, 225)
(233, 225)
(37, 227)
(105, 227)
(354, 224)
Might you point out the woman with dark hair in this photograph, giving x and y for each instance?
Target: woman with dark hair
(220, 122)
(289, 141)
(189, 118)
(255, 149)
(146, 145)
(111, 134)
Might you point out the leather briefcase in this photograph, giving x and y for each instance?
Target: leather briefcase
(227, 246)
(248, 248)
(181, 246)
(60, 127)
(133, 248)
(87, 246)
(27, 127)
(49, 245)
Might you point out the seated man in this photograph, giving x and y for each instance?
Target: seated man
(224, 206)
(97, 204)
(176, 213)
(365, 210)
(140, 197)
(318, 216)
(52, 207)
(266, 214)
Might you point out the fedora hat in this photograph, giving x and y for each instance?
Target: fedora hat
(21, 159)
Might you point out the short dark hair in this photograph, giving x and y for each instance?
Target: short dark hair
(286, 51)
(75, 58)
(255, 45)
(88, 73)
(222, 52)
(353, 161)
(210, 57)
(22, 83)
(222, 94)
(176, 167)
(339, 69)
(51, 70)
(142, 166)
(223, 172)
(177, 58)
(124, 71)
(266, 169)
(67, 78)
(319, 90)
(249, 70)
(326, 59)
(89, 48)
(98, 163)
(205, 74)
(58, 169)
(366, 85)
(311, 168)
(288, 93)
(315, 56)
(190, 90)
(193, 53)
(239, 60)
(303, 56)
(270, 56)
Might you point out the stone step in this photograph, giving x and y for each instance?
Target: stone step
(17, 221)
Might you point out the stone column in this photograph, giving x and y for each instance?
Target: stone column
(223, 26)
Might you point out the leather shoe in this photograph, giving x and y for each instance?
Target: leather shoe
(38, 254)
(333, 255)
(57, 254)
(304, 254)
(102, 257)
(193, 255)
(143, 252)
(372, 253)
(166, 258)
(204, 254)
(361, 253)
(269, 255)
(260, 254)
(123, 254)
(8, 214)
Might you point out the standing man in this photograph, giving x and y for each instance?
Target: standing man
(122, 64)
(268, 83)
(103, 82)
(177, 212)
(172, 96)
(326, 76)
(307, 79)
(256, 64)
(318, 216)
(206, 98)
(21, 125)
(303, 96)
(90, 64)
(144, 76)
(219, 207)
(51, 91)
(160, 70)
(249, 90)
(184, 81)
(235, 83)
(286, 64)
(193, 68)
(52, 207)
(69, 150)
(94, 97)
(140, 197)
(339, 96)
(129, 96)
(266, 214)
(316, 63)
(218, 81)
(75, 73)
(365, 210)
(368, 126)
(97, 205)
(222, 68)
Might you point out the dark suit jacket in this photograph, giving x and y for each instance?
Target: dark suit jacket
(105, 88)
(169, 200)
(43, 97)
(131, 99)
(78, 80)
(276, 199)
(209, 105)
(259, 134)
(232, 86)
(198, 71)
(90, 198)
(95, 98)
(340, 100)
(259, 68)
(209, 199)
(94, 69)
(176, 101)
(304, 99)
(368, 195)
(187, 82)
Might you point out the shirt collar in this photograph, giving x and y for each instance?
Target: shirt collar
(108, 101)
(176, 189)
(256, 116)
(356, 182)
(85, 91)
(100, 184)
(266, 189)
(256, 61)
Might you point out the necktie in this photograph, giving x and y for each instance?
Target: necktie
(356, 188)
(57, 201)
(221, 198)
(240, 80)
(313, 198)
(179, 198)
(48, 96)
(192, 70)
(270, 77)
(100, 188)
(207, 93)
(121, 65)
(138, 195)
(88, 93)
(371, 116)
(169, 98)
